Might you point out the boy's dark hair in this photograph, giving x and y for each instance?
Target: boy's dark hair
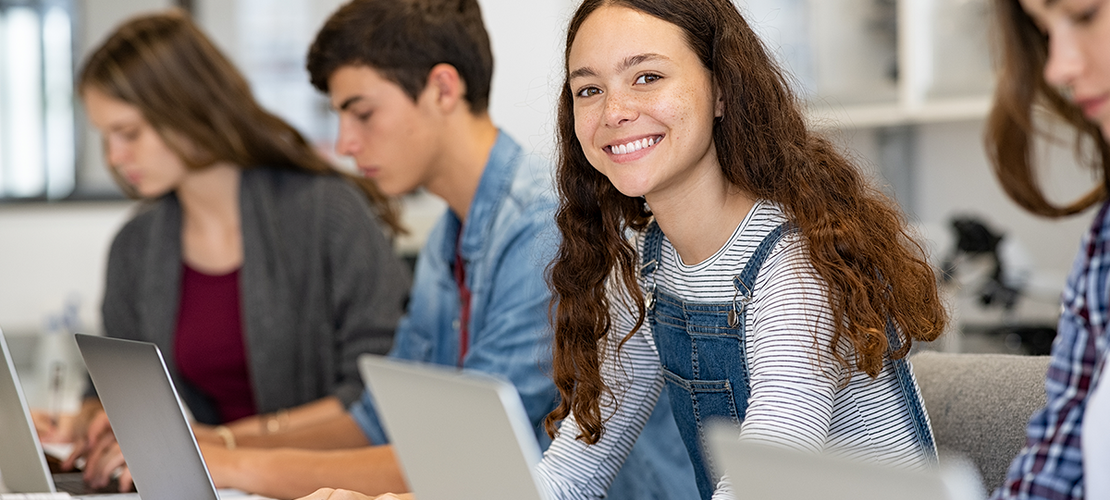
(403, 40)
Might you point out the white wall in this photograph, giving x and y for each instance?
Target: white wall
(528, 40)
(951, 177)
(49, 252)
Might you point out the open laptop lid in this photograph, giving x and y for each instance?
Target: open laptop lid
(772, 473)
(147, 417)
(458, 434)
(22, 463)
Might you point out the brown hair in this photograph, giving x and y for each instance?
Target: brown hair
(403, 40)
(856, 237)
(200, 105)
(1022, 50)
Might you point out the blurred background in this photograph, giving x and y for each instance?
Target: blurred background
(903, 85)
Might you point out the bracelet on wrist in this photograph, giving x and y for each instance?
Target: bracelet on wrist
(226, 435)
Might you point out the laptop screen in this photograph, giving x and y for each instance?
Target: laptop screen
(458, 434)
(23, 466)
(147, 418)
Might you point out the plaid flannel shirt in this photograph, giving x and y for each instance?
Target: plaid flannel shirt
(1050, 466)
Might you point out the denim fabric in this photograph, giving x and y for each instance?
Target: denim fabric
(701, 347)
(703, 354)
(910, 392)
(507, 242)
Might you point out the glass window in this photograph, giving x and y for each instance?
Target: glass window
(37, 134)
(268, 41)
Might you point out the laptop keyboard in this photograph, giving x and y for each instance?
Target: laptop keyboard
(74, 484)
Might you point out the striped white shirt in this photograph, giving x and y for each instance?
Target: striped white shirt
(801, 397)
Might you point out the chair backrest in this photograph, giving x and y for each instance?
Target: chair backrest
(980, 404)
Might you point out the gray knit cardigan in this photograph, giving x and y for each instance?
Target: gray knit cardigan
(319, 286)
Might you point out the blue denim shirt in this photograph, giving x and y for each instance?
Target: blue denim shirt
(507, 242)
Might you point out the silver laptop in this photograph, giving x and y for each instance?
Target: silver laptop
(771, 473)
(458, 434)
(22, 463)
(148, 419)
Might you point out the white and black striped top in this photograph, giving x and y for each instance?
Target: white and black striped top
(801, 397)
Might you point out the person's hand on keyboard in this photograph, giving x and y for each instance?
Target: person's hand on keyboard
(91, 411)
(103, 458)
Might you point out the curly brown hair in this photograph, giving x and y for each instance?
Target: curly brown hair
(1022, 50)
(856, 237)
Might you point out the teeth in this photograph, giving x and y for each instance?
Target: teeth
(632, 147)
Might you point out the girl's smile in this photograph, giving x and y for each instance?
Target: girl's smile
(627, 150)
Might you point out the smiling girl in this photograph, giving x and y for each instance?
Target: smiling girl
(715, 248)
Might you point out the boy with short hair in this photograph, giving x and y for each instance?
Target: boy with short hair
(410, 80)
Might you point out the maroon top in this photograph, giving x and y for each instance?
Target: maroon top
(209, 348)
(464, 301)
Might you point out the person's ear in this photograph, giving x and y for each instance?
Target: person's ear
(445, 86)
(719, 107)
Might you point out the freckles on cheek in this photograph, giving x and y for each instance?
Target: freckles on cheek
(674, 109)
(689, 110)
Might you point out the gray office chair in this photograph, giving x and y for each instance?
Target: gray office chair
(979, 405)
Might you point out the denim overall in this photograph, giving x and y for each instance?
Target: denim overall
(701, 347)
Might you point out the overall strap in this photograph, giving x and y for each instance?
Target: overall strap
(650, 257)
(911, 394)
(652, 251)
(745, 281)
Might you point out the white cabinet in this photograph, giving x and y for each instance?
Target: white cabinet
(868, 63)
